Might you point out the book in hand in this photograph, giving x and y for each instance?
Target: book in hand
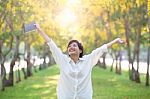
(29, 27)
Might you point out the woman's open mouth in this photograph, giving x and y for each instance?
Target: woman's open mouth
(71, 50)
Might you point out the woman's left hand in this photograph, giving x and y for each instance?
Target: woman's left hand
(120, 41)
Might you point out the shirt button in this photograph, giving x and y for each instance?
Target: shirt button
(76, 81)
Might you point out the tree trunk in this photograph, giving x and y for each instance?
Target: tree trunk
(117, 63)
(148, 63)
(45, 54)
(148, 55)
(120, 59)
(111, 68)
(44, 63)
(116, 58)
(51, 59)
(2, 61)
(104, 62)
(127, 31)
(138, 51)
(29, 64)
(10, 81)
(0, 78)
(18, 78)
(3, 77)
(132, 73)
(34, 66)
(24, 73)
(1, 68)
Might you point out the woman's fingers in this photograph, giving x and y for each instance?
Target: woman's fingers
(37, 26)
(121, 41)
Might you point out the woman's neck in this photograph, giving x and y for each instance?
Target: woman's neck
(75, 58)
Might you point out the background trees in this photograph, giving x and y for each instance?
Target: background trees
(92, 22)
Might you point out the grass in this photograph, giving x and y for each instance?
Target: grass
(106, 85)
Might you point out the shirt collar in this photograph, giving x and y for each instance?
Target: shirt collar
(80, 59)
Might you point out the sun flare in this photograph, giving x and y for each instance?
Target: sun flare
(66, 17)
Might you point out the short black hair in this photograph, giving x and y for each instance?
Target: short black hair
(79, 45)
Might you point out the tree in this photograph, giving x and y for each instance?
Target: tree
(133, 29)
(148, 37)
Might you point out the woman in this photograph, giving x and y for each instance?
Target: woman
(75, 69)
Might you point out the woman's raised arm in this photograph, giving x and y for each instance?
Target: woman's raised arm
(42, 33)
(117, 40)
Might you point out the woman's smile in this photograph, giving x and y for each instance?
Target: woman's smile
(71, 49)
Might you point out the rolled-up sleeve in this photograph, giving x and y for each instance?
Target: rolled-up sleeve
(97, 53)
(56, 52)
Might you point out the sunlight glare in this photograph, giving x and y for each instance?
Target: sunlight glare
(72, 2)
(66, 17)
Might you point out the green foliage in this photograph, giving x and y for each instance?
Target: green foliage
(89, 26)
(145, 39)
(4, 36)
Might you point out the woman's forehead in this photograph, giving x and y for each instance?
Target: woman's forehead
(73, 43)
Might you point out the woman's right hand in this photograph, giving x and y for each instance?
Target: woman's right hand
(37, 26)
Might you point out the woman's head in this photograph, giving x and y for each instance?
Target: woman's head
(74, 47)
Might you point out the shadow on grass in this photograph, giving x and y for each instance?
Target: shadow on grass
(108, 85)
(40, 86)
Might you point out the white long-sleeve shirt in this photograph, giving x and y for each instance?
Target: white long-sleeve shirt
(75, 78)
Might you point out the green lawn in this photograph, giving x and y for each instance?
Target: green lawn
(106, 85)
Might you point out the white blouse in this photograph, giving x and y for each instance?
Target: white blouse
(75, 78)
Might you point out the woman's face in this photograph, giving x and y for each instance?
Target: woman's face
(73, 49)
